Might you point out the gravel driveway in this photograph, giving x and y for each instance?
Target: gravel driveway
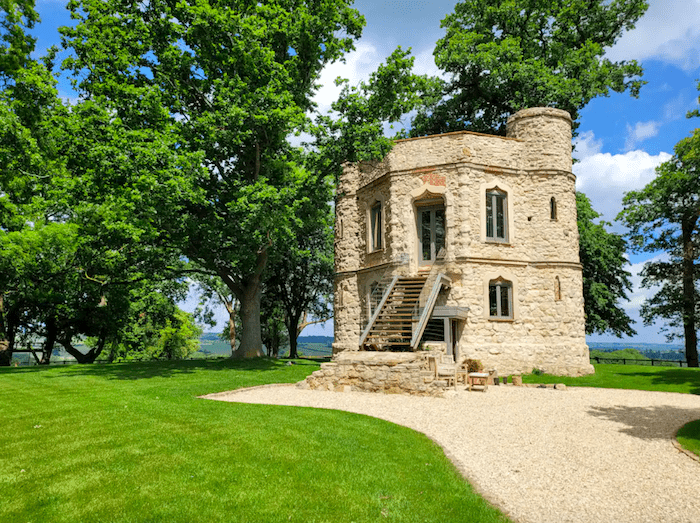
(581, 455)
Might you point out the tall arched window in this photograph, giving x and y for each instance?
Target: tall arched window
(431, 229)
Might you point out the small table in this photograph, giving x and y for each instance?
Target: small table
(477, 381)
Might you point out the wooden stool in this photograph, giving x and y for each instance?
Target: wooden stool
(477, 381)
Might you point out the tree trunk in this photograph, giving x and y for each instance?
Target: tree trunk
(251, 337)
(49, 342)
(292, 330)
(231, 308)
(6, 344)
(690, 332)
(88, 357)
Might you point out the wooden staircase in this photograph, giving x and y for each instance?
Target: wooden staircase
(391, 326)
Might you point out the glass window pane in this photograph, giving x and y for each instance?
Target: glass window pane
(505, 302)
(425, 235)
(489, 215)
(376, 227)
(500, 218)
(439, 230)
(493, 303)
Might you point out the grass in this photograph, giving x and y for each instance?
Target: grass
(640, 377)
(131, 443)
(689, 437)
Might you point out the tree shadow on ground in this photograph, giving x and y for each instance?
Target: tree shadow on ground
(687, 379)
(648, 423)
(164, 369)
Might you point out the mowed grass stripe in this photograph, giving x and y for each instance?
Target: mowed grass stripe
(131, 442)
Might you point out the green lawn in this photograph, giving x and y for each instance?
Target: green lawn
(131, 443)
(640, 377)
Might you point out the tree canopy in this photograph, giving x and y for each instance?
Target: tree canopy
(230, 83)
(664, 217)
(501, 57)
(605, 280)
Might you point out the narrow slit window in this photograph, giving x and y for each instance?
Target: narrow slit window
(553, 208)
(376, 226)
(497, 215)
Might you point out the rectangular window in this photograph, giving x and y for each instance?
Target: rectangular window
(376, 226)
(496, 215)
(500, 299)
(431, 232)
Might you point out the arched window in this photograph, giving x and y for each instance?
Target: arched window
(553, 208)
(497, 215)
(500, 298)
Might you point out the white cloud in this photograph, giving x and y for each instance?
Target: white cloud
(639, 295)
(669, 31)
(425, 63)
(676, 108)
(358, 65)
(605, 177)
(640, 132)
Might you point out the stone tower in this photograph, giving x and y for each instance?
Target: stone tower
(497, 217)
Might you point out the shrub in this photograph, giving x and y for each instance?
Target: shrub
(473, 365)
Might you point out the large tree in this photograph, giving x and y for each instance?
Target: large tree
(605, 280)
(665, 217)
(232, 80)
(505, 55)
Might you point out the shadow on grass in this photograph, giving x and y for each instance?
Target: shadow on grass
(164, 369)
(676, 377)
(647, 423)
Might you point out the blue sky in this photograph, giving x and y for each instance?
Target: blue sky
(621, 139)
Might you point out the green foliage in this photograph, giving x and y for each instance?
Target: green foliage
(299, 280)
(665, 217)
(500, 57)
(227, 85)
(605, 280)
(17, 45)
(628, 354)
(356, 132)
(128, 442)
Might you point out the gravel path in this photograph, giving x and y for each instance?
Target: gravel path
(580, 455)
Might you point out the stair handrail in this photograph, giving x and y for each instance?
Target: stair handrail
(377, 310)
(428, 309)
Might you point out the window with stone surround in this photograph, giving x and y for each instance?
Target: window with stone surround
(431, 230)
(376, 228)
(553, 208)
(500, 299)
(497, 215)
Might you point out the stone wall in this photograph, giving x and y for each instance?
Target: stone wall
(388, 372)
(540, 257)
